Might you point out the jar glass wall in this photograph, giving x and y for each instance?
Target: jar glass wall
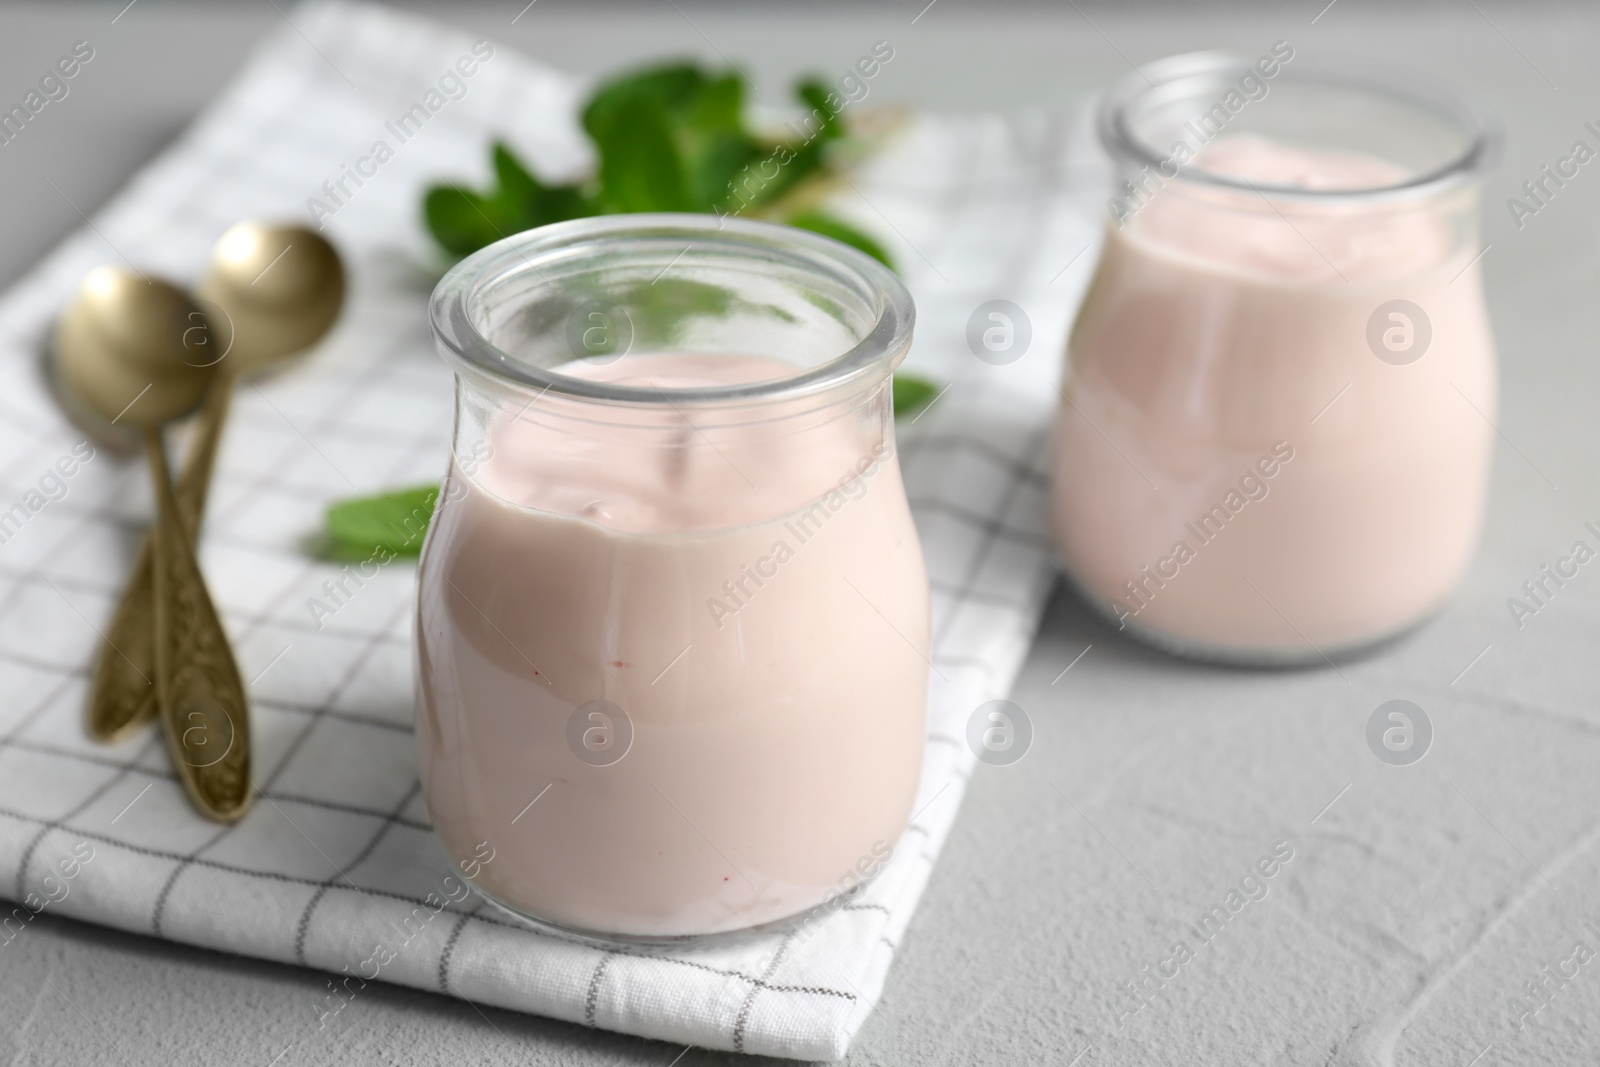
(1276, 436)
(672, 596)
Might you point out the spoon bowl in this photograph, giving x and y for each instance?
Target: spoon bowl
(278, 288)
(127, 348)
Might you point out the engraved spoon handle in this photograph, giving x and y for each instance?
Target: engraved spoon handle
(124, 693)
(201, 695)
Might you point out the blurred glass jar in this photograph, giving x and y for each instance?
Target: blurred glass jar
(1277, 433)
(673, 617)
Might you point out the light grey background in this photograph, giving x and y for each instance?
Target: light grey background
(1152, 784)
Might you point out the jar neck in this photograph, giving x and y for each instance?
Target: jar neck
(1343, 132)
(528, 310)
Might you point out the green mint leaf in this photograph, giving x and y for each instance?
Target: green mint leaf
(822, 117)
(718, 106)
(703, 122)
(674, 87)
(458, 219)
(712, 138)
(517, 183)
(639, 165)
(559, 203)
(724, 172)
(774, 171)
(364, 527)
(912, 393)
(839, 230)
(713, 142)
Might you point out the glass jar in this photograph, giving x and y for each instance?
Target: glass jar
(1275, 440)
(673, 619)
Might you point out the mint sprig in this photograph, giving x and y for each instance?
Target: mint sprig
(667, 138)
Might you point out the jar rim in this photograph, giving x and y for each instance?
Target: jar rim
(1480, 132)
(874, 357)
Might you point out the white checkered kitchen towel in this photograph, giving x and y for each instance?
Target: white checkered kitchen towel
(338, 849)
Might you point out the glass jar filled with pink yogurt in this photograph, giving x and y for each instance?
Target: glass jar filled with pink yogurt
(1276, 434)
(673, 617)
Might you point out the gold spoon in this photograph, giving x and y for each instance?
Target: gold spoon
(124, 347)
(271, 292)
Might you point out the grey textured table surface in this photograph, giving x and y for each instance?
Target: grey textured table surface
(1420, 900)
